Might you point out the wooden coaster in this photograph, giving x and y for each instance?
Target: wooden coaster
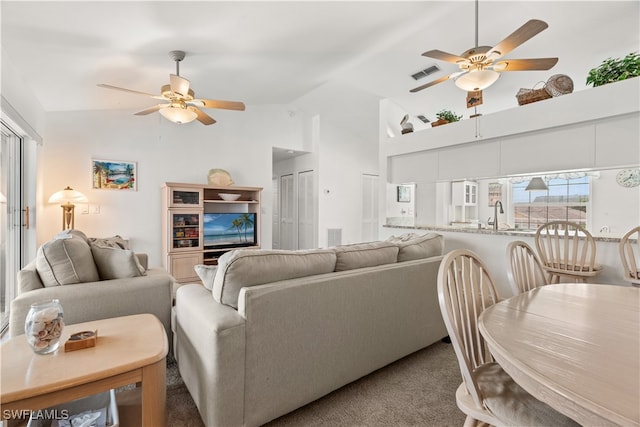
(80, 340)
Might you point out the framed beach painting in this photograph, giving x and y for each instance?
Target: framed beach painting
(114, 175)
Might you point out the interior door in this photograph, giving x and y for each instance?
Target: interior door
(306, 210)
(287, 213)
(275, 218)
(17, 201)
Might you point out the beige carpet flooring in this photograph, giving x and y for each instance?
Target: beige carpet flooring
(418, 390)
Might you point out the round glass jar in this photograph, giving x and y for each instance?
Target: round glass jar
(43, 326)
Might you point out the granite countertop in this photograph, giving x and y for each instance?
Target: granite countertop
(599, 237)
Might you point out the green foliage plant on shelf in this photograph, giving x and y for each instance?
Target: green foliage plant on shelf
(613, 70)
(448, 115)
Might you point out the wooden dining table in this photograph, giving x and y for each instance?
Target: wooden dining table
(574, 346)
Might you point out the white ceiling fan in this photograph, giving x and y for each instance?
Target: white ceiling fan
(182, 105)
(479, 66)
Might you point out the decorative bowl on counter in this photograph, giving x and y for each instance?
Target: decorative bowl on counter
(229, 197)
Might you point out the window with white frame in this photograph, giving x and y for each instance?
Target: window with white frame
(567, 198)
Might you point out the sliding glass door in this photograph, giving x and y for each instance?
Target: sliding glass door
(17, 190)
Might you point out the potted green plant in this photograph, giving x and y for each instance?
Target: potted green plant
(445, 116)
(613, 70)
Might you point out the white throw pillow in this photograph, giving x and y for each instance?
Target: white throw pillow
(206, 273)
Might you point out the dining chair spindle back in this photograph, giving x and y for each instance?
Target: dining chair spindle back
(630, 255)
(525, 270)
(566, 249)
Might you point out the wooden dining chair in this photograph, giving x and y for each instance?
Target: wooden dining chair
(566, 249)
(630, 255)
(525, 270)
(487, 393)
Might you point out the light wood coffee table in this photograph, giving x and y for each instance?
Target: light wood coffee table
(130, 350)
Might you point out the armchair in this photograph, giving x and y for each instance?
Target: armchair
(109, 294)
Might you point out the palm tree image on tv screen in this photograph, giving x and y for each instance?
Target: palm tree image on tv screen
(229, 230)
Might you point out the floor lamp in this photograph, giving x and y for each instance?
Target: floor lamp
(66, 198)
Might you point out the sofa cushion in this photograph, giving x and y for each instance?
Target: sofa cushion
(116, 263)
(66, 260)
(349, 257)
(249, 267)
(206, 273)
(425, 246)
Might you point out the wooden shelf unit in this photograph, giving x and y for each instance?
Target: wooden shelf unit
(183, 209)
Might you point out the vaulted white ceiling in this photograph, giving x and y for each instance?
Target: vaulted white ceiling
(336, 58)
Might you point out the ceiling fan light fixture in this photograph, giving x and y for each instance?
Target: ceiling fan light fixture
(477, 80)
(178, 114)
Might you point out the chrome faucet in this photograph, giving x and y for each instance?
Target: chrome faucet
(495, 213)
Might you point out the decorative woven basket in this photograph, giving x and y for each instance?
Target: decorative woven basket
(559, 84)
(527, 96)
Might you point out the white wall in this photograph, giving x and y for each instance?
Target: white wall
(612, 205)
(21, 107)
(343, 158)
(241, 143)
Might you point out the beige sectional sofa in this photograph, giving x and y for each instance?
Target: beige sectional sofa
(271, 330)
(93, 279)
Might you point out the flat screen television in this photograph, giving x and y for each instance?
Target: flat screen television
(229, 230)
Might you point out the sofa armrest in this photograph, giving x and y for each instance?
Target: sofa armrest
(210, 350)
(89, 301)
(29, 279)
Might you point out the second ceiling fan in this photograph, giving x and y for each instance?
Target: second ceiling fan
(182, 105)
(479, 66)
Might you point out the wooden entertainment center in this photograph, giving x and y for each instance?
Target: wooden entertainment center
(184, 209)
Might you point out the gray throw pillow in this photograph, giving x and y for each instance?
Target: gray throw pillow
(116, 263)
(66, 260)
(112, 242)
(206, 273)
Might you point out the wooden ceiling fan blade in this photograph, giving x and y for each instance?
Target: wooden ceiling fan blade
(151, 109)
(519, 36)
(525, 64)
(106, 86)
(444, 56)
(225, 105)
(440, 80)
(203, 118)
(179, 84)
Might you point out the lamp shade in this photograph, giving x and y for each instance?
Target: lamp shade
(68, 195)
(178, 114)
(477, 80)
(536, 184)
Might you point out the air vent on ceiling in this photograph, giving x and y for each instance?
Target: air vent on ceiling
(423, 119)
(424, 73)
